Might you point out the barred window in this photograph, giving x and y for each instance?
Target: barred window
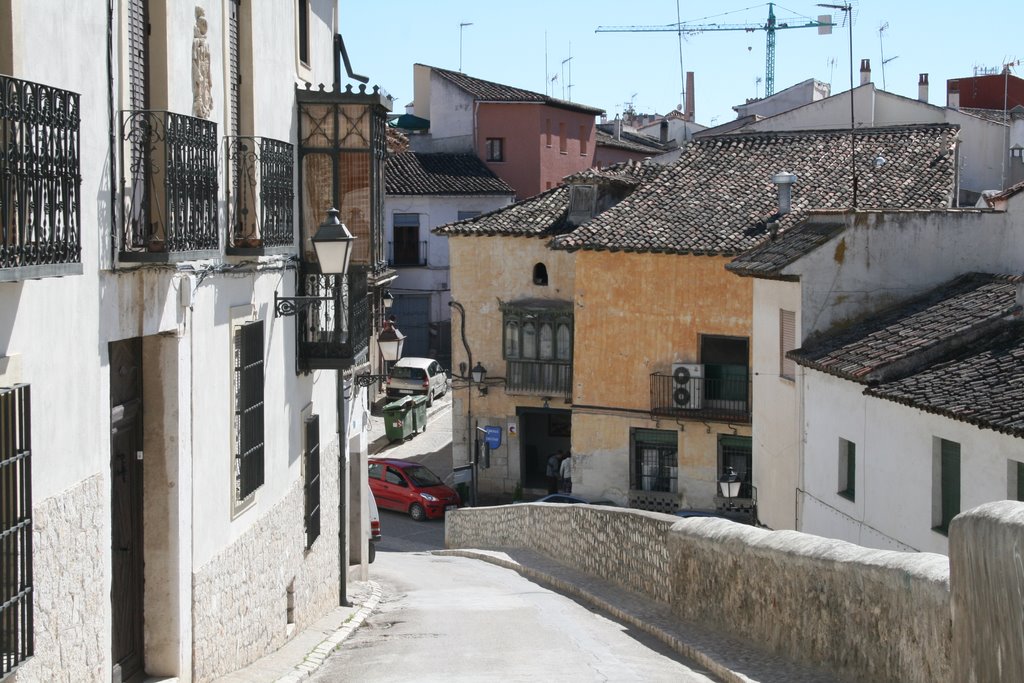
(16, 590)
(311, 480)
(655, 460)
(248, 408)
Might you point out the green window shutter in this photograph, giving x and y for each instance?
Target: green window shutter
(950, 463)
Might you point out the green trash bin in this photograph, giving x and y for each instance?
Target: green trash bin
(418, 413)
(398, 418)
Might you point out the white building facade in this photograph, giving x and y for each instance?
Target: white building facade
(175, 497)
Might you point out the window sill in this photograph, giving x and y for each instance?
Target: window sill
(848, 495)
(943, 530)
(39, 272)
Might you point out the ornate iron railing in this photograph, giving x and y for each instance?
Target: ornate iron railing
(169, 185)
(334, 330)
(700, 398)
(40, 178)
(542, 378)
(260, 192)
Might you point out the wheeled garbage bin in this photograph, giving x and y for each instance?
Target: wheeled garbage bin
(418, 412)
(398, 418)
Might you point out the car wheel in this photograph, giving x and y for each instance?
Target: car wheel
(417, 512)
(430, 397)
(373, 552)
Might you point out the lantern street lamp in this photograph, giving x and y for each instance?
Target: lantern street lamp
(729, 484)
(333, 245)
(390, 341)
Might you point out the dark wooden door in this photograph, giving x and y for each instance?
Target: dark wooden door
(126, 591)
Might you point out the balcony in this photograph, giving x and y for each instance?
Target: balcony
(407, 254)
(40, 181)
(260, 192)
(333, 333)
(701, 398)
(539, 378)
(169, 187)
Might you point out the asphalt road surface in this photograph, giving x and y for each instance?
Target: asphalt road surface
(457, 619)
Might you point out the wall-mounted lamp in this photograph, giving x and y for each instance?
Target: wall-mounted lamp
(479, 374)
(390, 340)
(333, 246)
(388, 300)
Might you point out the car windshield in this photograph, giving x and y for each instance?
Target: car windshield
(407, 373)
(421, 476)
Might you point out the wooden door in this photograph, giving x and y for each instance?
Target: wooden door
(126, 543)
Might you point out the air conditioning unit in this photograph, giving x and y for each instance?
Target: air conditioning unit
(687, 385)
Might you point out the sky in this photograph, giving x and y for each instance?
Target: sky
(540, 45)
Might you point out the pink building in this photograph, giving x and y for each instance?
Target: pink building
(529, 140)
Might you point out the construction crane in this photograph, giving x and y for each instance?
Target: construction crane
(824, 25)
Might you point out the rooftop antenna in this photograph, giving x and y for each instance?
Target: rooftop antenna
(831, 64)
(682, 74)
(757, 88)
(847, 10)
(881, 50)
(567, 60)
(462, 26)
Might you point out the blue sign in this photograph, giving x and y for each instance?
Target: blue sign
(492, 436)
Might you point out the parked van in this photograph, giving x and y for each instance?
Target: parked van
(412, 375)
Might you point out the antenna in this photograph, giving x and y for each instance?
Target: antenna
(881, 50)
(831, 64)
(462, 26)
(567, 60)
(757, 87)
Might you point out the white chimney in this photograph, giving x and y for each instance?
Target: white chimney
(922, 88)
(618, 128)
(865, 71)
(953, 93)
(784, 182)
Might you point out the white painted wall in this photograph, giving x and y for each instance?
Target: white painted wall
(785, 100)
(894, 490)
(449, 109)
(776, 441)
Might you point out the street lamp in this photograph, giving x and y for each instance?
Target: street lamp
(333, 245)
(729, 484)
(478, 375)
(388, 300)
(390, 341)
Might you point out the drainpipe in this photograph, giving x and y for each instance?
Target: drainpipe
(470, 431)
(342, 491)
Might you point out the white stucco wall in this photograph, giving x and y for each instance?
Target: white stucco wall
(894, 445)
(785, 100)
(776, 430)
(448, 108)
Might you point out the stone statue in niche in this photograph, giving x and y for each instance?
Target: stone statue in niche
(202, 83)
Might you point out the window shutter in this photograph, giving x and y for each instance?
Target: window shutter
(311, 485)
(787, 342)
(950, 482)
(249, 407)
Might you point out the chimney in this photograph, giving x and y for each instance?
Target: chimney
(689, 96)
(953, 93)
(784, 182)
(865, 71)
(618, 128)
(663, 131)
(922, 88)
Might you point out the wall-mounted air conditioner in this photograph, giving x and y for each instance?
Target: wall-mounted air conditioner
(687, 385)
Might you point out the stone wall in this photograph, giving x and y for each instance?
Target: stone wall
(986, 554)
(869, 614)
(70, 539)
(240, 598)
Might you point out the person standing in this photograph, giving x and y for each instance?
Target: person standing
(554, 462)
(565, 473)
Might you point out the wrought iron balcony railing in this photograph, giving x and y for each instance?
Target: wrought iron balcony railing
(40, 181)
(404, 256)
(539, 377)
(701, 398)
(260, 193)
(333, 333)
(169, 186)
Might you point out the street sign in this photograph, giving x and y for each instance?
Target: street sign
(492, 435)
(463, 474)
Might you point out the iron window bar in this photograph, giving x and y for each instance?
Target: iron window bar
(260, 193)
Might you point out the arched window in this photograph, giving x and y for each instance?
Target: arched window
(563, 347)
(540, 275)
(547, 342)
(512, 340)
(529, 340)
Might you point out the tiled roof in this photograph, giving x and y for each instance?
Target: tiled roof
(413, 173)
(544, 215)
(771, 256)
(718, 198)
(1005, 194)
(993, 115)
(496, 92)
(915, 333)
(632, 142)
(982, 385)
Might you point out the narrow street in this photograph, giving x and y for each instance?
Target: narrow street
(451, 618)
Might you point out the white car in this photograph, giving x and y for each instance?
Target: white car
(423, 376)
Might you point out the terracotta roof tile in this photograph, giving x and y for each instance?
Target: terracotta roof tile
(413, 173)
(717, 197)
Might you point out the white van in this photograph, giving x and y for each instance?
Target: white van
(412, 375)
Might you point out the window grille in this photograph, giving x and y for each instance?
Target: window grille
(311, 485)
(248, 408)
(655, 460)
(16, 588)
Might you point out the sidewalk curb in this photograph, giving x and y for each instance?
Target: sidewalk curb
(315, 659)
(713, 665)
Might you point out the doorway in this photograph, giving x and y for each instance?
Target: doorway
(541, 433)
(126, 543)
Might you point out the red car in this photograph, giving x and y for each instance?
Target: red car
(410, 487)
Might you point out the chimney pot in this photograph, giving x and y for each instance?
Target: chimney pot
(663, 130)
(784, 182)
(865, 71)
(922, 88)
(689, 97)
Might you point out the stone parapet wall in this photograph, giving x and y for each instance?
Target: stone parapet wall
(70, 538)
(240, 598)
(868, 614)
